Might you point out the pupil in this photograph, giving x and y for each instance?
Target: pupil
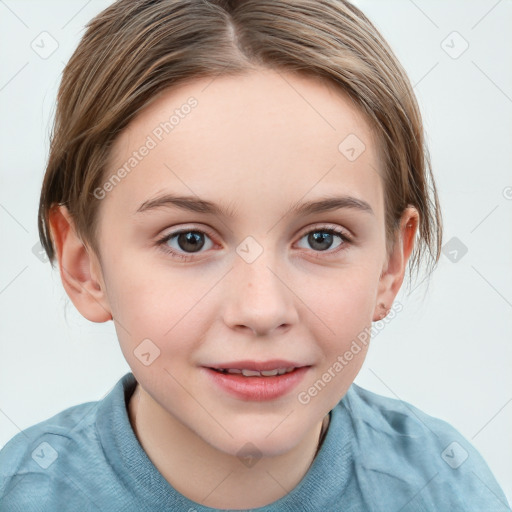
(190, 241)
(317, 238)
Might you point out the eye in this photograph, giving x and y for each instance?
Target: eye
(322, 238)
(183, 244)
(190, 241)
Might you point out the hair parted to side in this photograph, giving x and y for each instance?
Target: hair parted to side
(135, 49)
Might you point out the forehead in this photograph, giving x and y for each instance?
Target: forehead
(258, 140)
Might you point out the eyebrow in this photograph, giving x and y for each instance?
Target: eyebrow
(195, 204)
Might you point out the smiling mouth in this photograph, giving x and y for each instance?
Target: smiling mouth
(272, 379)
(256, 373)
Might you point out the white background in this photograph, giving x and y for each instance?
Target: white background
(449, 351)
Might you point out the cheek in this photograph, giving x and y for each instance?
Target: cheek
(344, 301)
(345, 306)
(149, 296)
(150, 306)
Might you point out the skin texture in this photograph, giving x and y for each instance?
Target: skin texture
(257, 144)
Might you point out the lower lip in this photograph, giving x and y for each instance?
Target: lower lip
(257, 389)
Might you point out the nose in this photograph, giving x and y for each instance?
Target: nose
(259, 298)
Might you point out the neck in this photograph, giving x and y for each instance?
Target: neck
(208, 476)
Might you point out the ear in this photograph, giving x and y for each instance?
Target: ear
(393, 272)
(79, 267)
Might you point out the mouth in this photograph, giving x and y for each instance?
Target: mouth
(252, 381)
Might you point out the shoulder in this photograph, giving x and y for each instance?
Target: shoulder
(26, 461)
(425, 459)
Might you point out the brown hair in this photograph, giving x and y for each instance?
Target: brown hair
(136, 48)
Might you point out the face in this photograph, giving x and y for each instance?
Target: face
(253, 278)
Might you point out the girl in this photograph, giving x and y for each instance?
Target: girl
(240, 186)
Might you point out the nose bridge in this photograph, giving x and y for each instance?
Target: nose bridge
(258, 298)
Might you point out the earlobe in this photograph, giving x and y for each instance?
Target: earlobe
(393, 274)
(79, 268)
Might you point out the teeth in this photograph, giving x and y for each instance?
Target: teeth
(251, 373)
(255, 373)
(270, 373)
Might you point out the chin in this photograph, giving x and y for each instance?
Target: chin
(257, 442)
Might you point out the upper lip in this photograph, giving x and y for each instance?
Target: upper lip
(257, 365)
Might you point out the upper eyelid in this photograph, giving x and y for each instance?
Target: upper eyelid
(326, 227)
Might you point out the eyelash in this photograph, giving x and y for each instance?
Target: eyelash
(162, 242)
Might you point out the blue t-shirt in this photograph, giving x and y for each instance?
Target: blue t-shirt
(379, 454)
